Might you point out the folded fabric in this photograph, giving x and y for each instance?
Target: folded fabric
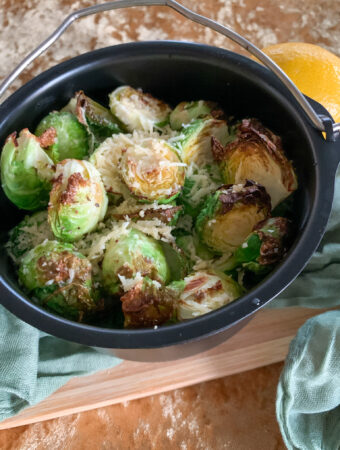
(319, 284)
(33, 364)
(308, 395)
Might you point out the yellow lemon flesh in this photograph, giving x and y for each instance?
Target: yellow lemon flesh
(314, 70)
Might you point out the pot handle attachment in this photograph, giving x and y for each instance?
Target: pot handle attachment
(320, 122)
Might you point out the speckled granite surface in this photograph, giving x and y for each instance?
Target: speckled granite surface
(236, 412)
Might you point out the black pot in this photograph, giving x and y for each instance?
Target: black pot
(176, 71)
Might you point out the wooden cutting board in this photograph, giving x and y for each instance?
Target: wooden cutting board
(264, 340)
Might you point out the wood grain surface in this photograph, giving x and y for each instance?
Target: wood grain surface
(263, 341)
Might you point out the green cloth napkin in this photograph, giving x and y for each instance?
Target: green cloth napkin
(33, 364)
(308, 395)
(319, 284)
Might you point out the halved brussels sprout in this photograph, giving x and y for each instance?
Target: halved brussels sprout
(194, 145)
(186, 112)
(30, 232)
(230, 214)
(71, 138)
(26, 171)
(60, 278)
(152, 170)
(97, 119)
(263, 248)
(105, 159)
(256, 154)
(78, 200)
(149, 304)
(204, 292)
(133, 256)
(138, 110)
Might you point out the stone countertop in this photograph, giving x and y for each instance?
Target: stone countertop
(236, 412)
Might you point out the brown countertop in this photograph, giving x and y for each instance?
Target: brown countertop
(236, 412)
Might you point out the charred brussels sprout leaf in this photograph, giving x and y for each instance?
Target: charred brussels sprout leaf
(263, 248)
(26, 171)
(256, 154)
(30, 232)
(204, 292)
(78, 200)
(60, 278)
(194, 144)
(97, 119)
(152, 170)
(138, 110)
(186, 112)
(131, 257)
(230, 214)
(149, 304)
(168, 216)
(71, 138)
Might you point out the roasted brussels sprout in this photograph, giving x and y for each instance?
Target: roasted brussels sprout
(26, 171)
(97, 119)
(149, 304)
(138, 110)
(133, 256)
(30, 232)
(194, 145)
(263, 248)
(230, 214)
(152, 170)
(70, 136)
(205, 291)
(106, 159)
(78, 200)
(256, 154)
(59, 278)
(186, 112)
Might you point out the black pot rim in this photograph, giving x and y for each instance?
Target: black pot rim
(228, 315)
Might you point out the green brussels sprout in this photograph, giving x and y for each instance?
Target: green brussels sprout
(59, 278)
(230, 214)
(206, 291)
(194, 144)
(26, 171)
(106, 158)
(186, 112)
(178, 263)
(263, 248)
(78, 200)
(152, 170)
(149, 304)
(30, 232)
(128, 259)
(97, 119)
(138, 110)
(256, 154)
(70, 136)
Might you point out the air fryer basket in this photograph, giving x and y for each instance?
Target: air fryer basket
(175, 71)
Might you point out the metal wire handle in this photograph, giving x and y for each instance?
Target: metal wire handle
(317, 121)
